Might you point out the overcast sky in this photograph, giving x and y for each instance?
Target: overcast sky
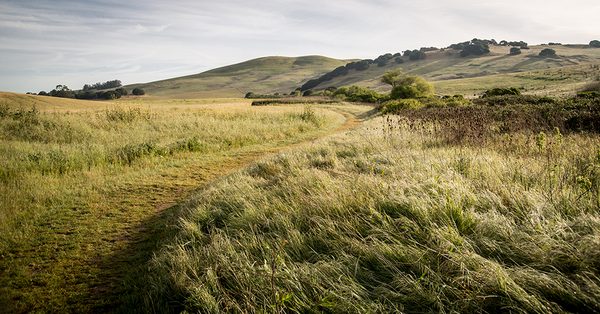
(44, 43)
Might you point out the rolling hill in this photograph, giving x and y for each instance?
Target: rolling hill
(262, 75)
(574, 67)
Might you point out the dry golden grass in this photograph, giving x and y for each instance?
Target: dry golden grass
(389, 218)
(86, 188)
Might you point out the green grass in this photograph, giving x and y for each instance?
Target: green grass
(86, 188)
(391, 218)
(263, 75)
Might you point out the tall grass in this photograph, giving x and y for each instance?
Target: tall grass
(394, 218)
(66, 176)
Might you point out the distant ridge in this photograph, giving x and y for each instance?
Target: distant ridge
(451, 73)
(262, 75)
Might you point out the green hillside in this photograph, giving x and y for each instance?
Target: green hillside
(452, 74)
(262, 75)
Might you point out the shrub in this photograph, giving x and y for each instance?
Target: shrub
(405, 86)
(393, 106)
(122, 91)
(548, 53)
(456, 101)
(595, 43)
(515, 51)
(359, 94)
(412, 87)
(500, 92)
(433, 102)
(138, 91)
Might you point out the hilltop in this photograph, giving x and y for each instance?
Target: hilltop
(452, 74)
(262, 75)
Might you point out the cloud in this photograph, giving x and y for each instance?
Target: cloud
(43, 42)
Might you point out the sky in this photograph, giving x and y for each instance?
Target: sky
(44, 43)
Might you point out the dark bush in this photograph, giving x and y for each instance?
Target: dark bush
(500, 92)
(138, 91)
(595, 43)
(548, 53)
(475, 49)
(417, 55)
(121, 91)
(515, 51)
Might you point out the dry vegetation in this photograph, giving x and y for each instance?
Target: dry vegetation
(83, 185)
(396, 217)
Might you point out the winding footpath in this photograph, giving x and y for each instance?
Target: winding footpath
(105, 272)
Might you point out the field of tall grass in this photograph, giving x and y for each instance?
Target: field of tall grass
(78, 180)
(394, 217)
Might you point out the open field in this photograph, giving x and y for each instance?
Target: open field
(86, 188)
(263, 75)
(391, 217)
(169, 205)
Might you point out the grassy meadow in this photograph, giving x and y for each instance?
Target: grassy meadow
(395, 216)
(86, 186)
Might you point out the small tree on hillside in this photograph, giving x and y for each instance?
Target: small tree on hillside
(595, 43)
(515, 51)
(404, 86)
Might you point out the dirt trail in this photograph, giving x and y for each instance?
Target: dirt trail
(143, 239)
(123, 227)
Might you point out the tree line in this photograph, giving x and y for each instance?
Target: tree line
(105, 85)
(92, 92)
(474, 47)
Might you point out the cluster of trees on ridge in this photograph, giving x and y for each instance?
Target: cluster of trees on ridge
(105, 85)
(414, 92)
(474, 47)
(92, 92)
